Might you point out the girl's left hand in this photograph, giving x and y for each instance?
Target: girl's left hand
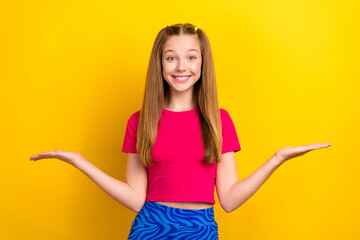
(286, 153)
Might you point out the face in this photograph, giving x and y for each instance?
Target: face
(181, 58)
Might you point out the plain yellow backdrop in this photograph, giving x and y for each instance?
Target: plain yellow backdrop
(72, 72)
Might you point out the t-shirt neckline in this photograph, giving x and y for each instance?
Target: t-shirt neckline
(180, 112)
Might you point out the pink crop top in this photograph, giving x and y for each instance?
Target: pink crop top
(177, 174)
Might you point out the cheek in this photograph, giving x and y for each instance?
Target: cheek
(197, 68)
(166, 68)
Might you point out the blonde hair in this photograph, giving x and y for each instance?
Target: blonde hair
(157, 93)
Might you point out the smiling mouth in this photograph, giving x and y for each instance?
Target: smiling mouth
(181, 77)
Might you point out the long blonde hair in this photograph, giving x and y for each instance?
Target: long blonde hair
(157, 94)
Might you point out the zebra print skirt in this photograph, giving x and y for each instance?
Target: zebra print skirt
(156, 221)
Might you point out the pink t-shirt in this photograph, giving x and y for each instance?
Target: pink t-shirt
(178, 174)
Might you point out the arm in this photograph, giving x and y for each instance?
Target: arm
(131, 193)
(233, 193)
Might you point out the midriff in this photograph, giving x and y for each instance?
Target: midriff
(187, 205)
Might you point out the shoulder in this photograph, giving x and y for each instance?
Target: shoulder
(226, 119)
(134, 117)
(224, 114)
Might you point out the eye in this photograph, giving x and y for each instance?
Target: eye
(169, 57)
(193, 57)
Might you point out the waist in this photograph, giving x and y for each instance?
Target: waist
(188, 205)
(178, 217)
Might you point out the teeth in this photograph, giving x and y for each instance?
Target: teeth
(182, 78)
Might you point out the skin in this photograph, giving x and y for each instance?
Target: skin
(232, 192)
(179, 60)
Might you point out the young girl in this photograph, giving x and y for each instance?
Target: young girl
(180, 146)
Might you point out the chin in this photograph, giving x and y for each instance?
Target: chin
(181, 89)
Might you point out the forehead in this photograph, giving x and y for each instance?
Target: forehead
(182, 43)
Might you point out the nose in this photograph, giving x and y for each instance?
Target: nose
(181, 65)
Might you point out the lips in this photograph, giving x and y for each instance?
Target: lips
(181, 78)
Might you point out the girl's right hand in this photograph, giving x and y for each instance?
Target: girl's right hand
(69, 157)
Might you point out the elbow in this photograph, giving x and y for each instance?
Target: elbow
(228, 211)
(136, 209)
(232, 208)
(139, 206)
(227, 208)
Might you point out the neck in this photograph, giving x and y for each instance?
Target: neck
(180, 101)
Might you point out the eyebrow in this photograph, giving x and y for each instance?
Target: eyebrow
(170, 50)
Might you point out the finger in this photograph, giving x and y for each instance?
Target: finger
(307, 147)
(43, 155)
(319, 145)
(323, 145)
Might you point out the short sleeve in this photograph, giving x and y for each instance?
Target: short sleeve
(230, 138)
(129, 144)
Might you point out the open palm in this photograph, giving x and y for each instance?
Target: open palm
(286, 153)
(69, 157)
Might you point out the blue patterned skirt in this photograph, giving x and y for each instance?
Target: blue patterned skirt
(156, 221)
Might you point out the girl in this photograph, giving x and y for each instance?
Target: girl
(180, 146)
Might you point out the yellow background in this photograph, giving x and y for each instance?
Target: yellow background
(72, 72)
